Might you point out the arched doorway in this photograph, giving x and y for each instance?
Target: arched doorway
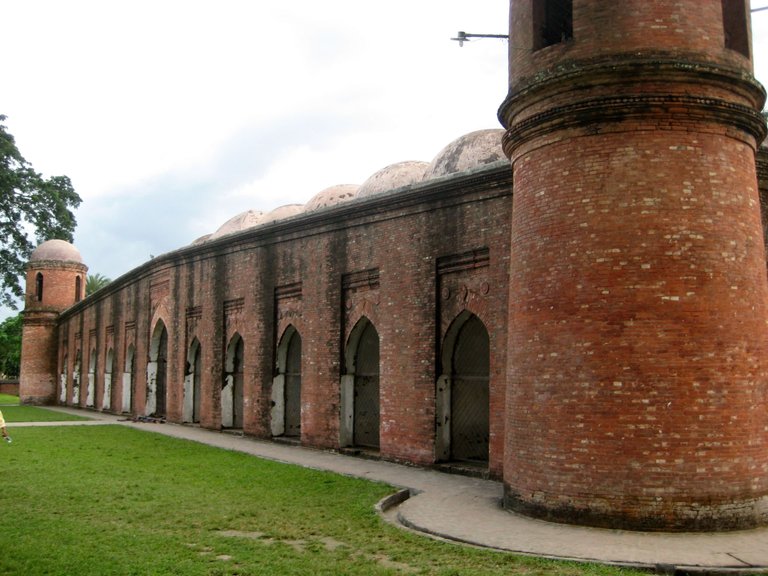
(76, 380)
(360, 388)
(463, 392)
(192, 394)
(128, 381)
(232, 387)
(286, 387)
(106, 401)
(90, 394)
(63, 380)
(157, 372)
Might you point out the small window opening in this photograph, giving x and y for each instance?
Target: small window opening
(735, 26)
(39, 287)
(552, 22)
(78, 289)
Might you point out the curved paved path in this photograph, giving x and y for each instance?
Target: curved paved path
(468, 510)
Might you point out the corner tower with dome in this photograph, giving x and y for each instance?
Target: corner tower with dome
(55, 280)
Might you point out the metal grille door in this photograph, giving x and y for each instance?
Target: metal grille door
(469, 393)
(293, 387)
(366, 419)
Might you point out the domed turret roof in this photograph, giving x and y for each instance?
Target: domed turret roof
(332, 196)
(469, 151)
(393, 176)
(59, 250)
(242, 221)
(282, 212)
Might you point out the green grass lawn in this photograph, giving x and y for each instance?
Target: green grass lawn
(15, 414)
(8, 399)
(106, 500)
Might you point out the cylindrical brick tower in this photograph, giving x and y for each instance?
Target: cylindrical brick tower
(55, 281)
(637, 380)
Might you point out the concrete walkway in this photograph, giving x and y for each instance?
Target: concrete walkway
(468, 510)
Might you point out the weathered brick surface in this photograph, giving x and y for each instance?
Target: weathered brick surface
(637, 347)
(306, 274)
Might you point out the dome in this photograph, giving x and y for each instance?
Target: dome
(242, 221)
(393, 176)
(203, 239)
(470, 151)
(282, 212)
(332, 196)
(56, 250)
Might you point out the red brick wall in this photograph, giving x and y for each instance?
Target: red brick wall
(9, 387)
(257, 284)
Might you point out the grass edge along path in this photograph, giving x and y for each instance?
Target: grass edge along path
(114, 500)
(18, 415)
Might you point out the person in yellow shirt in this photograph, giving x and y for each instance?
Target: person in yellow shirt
(2, 428)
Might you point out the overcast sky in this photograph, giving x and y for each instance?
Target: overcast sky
(172, 116)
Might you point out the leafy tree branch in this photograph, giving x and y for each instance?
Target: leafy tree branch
(33, 209)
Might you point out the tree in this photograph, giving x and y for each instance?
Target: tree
(10, 346)
(95, 282)
(29, 204)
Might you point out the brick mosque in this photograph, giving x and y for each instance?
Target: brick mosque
(575, 304)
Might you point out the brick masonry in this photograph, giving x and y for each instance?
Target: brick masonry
(637, 345)
(319, 274)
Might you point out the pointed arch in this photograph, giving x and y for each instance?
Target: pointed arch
(360, 399)
(157, 371)
(232, 386)
(128, 381)
(463, 395)
(106, 401)
(39, 286)
(192, 375)
(286, 386)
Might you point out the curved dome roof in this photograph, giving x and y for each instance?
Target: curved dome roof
(393, 176)
(56, 250)
(242, 221)
(204, 238)
(332, 196)
(282, 212)
(469, 151)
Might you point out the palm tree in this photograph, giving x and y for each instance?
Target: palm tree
(95, 282)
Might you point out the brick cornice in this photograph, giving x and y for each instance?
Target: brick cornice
(40, 317)
(56, 265)
(678, 110)
(602, 90)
